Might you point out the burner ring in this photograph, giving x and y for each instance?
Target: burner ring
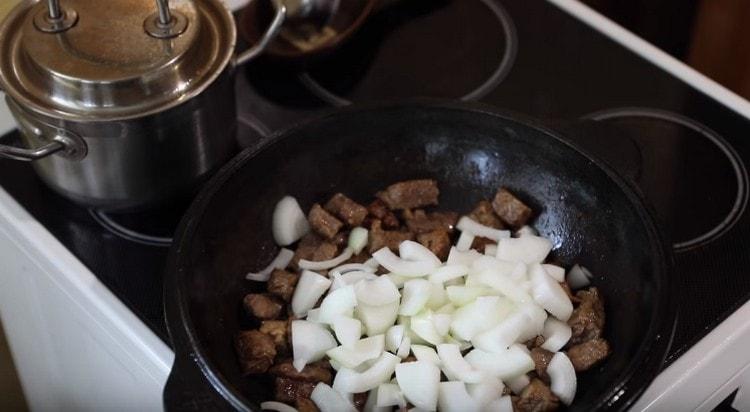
(500, 73)
(128, 234)
(738, 167)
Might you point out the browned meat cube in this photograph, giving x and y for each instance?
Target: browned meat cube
(351, 212)
(306, 405)
(587, 354)
(290, 390)
(360, 399)
(511, 210)
(380, 211)
(437, 241)
(410, 194)
(535, 343)
(262, 306)
(279, 331)
(536, 397)
(361, 257)
(323, 223)
(587, 320)
(255, 350)
(313, 247)
(484, 214)
(480, 242)
(341, 239)
(541, 359)
(314, 372)
(282, 283)
(420, 222)
(379, 238)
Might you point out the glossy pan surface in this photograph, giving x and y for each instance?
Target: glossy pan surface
(593, 217)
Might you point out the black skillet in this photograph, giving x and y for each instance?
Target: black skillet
(593, 216)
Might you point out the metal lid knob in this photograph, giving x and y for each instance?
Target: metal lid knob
(55, 19)
(165, 24)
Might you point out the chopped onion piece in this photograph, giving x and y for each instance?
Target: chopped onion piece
(402, 267)
(372, 403)
(415, 295)
(357, 239)
(486, 391)
(276, 406)
(537, 316)
(442, 323)
(490, 249)
(456, 257)
(329, 400)
(504, 284)
(313, 315)
(448, 272)
(476, 317)
(562, 377)
(420, 383)
(447, 309)
(310, 342)
(376, 292)
(503, 404)
(281, 261)
(579, 277)
(453, 397)
(527, 249)
(549, 294)
(492, 263)
(556, 272)
(377, 319)
(397, 280)
(463, 295)
(518, 384)
(465, 240)
(526, 231)
(415, 252)
(347, 330)
(340, 302)
(455, 366)
(423, 326)
(350, 278)
(425, 353)
(556, 334)
(393, 337)
(310, 287)
(289, 222)
(389, 394)
(467, 224)
(505, 365)
(372, 262)
(404, 348)
(350, 381)
(350, 267)
(438, 297)
(362, 350)
(504, 334)
(326, 264)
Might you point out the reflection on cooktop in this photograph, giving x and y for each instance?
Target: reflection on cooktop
(456, 49)
(690, 174)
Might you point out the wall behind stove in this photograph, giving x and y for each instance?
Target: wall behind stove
(713, 36)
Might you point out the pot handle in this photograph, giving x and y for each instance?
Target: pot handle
(64, 142)
(268, 36)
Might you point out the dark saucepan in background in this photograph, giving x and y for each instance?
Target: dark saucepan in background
(592, 216)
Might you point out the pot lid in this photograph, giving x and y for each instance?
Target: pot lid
(107, 60)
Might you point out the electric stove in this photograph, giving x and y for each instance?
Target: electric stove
(686, 152)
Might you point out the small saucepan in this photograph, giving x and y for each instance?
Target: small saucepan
(123, 103)
(592, 215)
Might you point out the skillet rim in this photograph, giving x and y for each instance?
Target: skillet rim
(628, 388)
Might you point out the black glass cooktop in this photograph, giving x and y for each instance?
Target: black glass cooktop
(685, 151)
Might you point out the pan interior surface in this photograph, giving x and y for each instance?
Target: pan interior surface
(590, 215)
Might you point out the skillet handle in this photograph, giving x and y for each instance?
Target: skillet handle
(268, 36)
(187, 389)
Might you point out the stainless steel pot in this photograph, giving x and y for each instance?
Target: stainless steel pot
(122, 104)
